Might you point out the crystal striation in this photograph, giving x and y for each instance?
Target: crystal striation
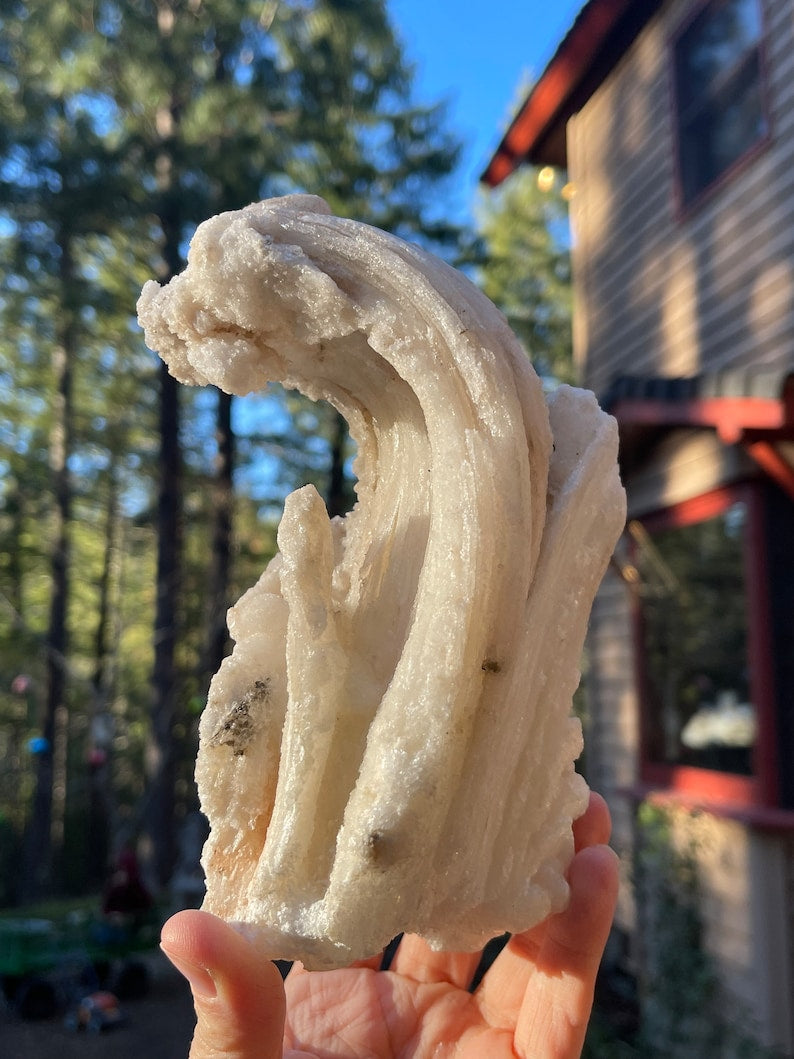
(390, 746)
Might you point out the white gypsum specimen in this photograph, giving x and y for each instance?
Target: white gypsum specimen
(390, 746)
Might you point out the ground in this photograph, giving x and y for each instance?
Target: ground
(159, 1026)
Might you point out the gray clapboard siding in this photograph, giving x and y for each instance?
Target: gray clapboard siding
(663, 294)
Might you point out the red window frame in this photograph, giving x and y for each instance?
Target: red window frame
(707, 786)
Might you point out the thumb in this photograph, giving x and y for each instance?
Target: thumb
(238, 993)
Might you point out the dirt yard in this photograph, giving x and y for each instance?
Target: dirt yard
(159, 1026)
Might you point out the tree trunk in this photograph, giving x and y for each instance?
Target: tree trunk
(100, 793)
(159, 824)
(160, 844)
(222, 533)
(102, 678)
(15, 509)
(43, 825)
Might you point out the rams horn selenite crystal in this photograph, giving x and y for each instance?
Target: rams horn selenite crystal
(390, 745)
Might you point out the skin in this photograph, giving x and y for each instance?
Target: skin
(534, 1001)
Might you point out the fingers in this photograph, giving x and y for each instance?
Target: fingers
(416, 960)
(414, 957)
(238, 993)
(594, 827)
(567, 961)
(575, 939)
(542, 982)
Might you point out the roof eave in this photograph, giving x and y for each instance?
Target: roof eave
(600, 35)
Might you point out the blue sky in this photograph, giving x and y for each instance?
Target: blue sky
(476, 55)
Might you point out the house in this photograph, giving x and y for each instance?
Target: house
(675, 123)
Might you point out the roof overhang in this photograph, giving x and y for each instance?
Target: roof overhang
(754, 409)
(600, 36)
(735, 419)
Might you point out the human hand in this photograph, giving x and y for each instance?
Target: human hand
(534, 1001)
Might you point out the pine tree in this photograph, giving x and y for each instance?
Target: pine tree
(50, 196)
(224, 103)
(166, 112)
(526, 267)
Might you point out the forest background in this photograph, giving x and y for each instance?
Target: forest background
(134, 511)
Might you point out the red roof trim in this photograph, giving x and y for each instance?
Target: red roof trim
(549, 102)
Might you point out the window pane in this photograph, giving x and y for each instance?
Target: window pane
(720, 110)
(720, 134)
(695, 644)
(715, 42)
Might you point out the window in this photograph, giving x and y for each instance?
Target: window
(714, 579)
(720, 112)
(694, 630)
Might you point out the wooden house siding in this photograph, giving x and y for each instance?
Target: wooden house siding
(663, 291)
(611, 736)
(744, 885)
(659, 293)
(744, 877)
(685, 464)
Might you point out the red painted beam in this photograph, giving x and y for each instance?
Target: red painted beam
(773, 463)
(731, 417)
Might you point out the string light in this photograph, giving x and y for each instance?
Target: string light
(546, 177)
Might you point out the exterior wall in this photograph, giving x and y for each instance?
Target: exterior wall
(660, 293)
(685, 464)
(610, 727)
(745, 877)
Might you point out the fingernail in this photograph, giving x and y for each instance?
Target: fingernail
(199, 977)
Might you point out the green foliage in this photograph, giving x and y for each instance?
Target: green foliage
(526, 268)
(683, 1010)
(680, 986)
(122, 126)
(683, 1013)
